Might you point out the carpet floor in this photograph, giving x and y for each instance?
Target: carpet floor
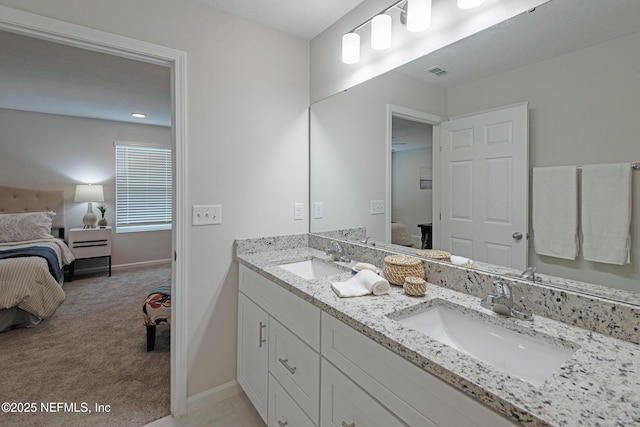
(92, 352)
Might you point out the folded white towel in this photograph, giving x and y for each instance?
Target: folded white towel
(363, 283)
(460, 260)
(555, 211)
(606, 213)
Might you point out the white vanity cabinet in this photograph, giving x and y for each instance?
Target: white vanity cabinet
(350, 380)
(414, 396)
(278, 351)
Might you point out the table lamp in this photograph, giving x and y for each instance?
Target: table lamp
(89, 193)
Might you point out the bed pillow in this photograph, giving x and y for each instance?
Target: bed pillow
(17, 227)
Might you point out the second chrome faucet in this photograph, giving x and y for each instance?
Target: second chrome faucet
(502, 302)
(337, 252)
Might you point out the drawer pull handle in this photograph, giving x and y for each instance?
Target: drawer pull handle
(282, 424)
(291, 369)
(261, 339)
(353, 424)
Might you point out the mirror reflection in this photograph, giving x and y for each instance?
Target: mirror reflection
(575, 66)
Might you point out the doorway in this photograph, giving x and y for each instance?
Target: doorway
(410, 171)
(36, 26)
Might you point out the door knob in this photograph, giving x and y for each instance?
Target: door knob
(517, 235)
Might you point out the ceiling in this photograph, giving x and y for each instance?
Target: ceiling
(46, 77)
(301, 18)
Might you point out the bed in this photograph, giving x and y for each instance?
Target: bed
(31, 258)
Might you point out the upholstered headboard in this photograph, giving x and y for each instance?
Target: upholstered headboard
(17, 200)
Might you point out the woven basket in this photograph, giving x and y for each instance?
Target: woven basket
(415, 286)
(435, 254)
(398, 267)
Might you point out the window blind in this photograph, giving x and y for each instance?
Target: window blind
(143, 188)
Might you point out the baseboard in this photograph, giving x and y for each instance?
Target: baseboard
(102, 268)
(213, 395)
(140, 264)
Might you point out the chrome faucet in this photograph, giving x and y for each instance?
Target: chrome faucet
(337, 252)
(529, 274)
(502, 302)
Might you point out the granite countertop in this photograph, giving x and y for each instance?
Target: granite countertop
(598, 386)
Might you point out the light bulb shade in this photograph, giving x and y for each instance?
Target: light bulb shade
(89, 193)
(351, 48)
(469, 4)
(418, 15)
(381, 32)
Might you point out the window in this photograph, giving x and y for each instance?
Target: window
(143, 187)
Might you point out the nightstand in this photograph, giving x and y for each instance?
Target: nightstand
(88, 243)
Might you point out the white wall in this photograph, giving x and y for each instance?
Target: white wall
(247, 125)
(354, 144)
(49, 151)
(583, 110)
(448, 24)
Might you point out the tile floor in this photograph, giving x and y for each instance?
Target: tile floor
(235, 411)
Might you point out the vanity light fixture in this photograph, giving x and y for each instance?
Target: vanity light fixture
(138, 115)
(351, 48)
(381, 32)
(469, 4)
(418, 15)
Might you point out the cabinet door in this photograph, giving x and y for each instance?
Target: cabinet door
(344, 404)
(253, 353)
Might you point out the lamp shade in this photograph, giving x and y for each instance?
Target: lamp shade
(418, 15)
(381, 32)
(89, 193)
(351, 48)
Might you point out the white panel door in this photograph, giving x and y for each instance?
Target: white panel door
(484, 178)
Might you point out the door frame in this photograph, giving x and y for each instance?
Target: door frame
(416, 116)
(37, 26)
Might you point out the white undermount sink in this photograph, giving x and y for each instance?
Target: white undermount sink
(532, 359)
(313, 268)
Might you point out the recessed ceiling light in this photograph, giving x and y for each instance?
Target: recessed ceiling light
(139, 115)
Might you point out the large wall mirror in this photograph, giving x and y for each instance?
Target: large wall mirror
(576, 66)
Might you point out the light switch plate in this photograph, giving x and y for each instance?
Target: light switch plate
(207, 214)
(377, 207)
(318, 210)
(298, 211)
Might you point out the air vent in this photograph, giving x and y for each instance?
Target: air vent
(437, 71)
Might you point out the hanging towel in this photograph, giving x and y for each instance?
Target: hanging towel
(364, 282)
(555, 211)
(606, 213)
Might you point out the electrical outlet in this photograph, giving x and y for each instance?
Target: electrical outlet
(207, 214)
(298, 211)
(318, 210)
(377, 207)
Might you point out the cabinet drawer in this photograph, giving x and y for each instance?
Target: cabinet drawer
(415, 396)
(301, 317)
(90, 243)
(283, 411)
(344, 404)
(296, 366)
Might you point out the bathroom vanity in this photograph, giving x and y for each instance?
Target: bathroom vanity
(308, 357)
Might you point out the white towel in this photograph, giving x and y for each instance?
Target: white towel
(363, 283)
(606, 213)
(555, 211)
(460, 260)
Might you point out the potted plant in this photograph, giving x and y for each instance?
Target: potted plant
(102, 223)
